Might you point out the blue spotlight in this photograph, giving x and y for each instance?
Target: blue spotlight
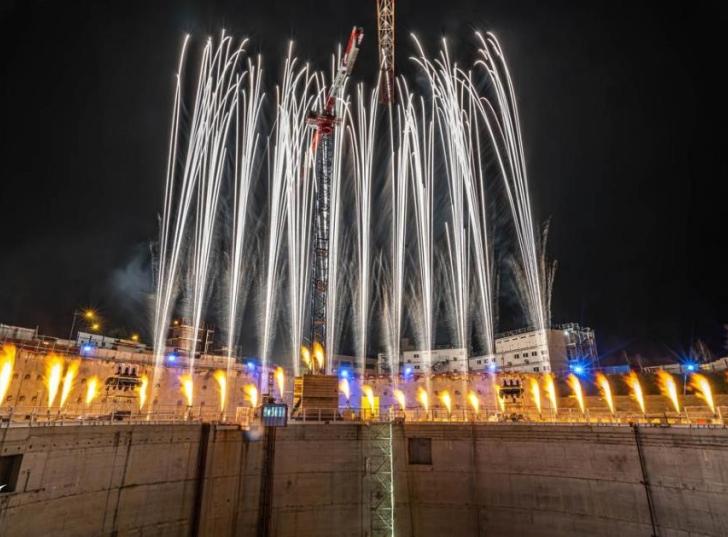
(344, 373)
(250, 366)
(86, 349)
(690, 367)
(578, 368)
(408, 371)
(172, 357)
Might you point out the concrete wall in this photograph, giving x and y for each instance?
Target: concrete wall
(121, 480)
(504, 480)
(561, 481)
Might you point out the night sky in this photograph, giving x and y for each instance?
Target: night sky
(623, 110)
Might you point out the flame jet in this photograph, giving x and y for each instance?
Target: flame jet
(92, 390)
(143, 390)
(7, 362)
(53, 377)
(68, 378)
(633, 382)
(668, 387)
(702, 389)
(550, 389)
(474, 401)
(251, 394)
(606, 390)
(221, 379)
(187, 388)
(401, 399)
(535, 390)
(576, 389)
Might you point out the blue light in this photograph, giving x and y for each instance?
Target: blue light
(690, 367)
(408, 370)
(491, 368)
(250, 366)
(578, 368)
(86, 349)
(344, 374)
(172, 357)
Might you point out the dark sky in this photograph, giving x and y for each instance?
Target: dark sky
(622, 106)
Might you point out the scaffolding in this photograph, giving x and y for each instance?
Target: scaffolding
(379, 479)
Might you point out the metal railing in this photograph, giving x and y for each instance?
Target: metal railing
(34, 416)
(245, 416)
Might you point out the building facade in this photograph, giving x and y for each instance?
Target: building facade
(440, 360)
(539, 351)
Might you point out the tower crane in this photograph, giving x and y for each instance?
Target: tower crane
(324, 121)
(385, 28)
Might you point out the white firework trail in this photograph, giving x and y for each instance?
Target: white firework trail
(399, 179)
(504, 128)
(292, 99)
(457, 106)
(246, 148)
(300, 182)
(203, 158)
(363, 137)
(219, 107)
(419, 127)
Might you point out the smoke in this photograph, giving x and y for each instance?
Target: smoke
(131, 286)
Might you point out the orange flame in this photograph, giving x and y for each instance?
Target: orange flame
(369, 394)
(54, 373)
(251, 393)
(550, 389)
(499, 398)
(474, 401)
(573, 382)
(633, 382)
(280, 377)
(187, 388)
(221, 377)
(423, 398)
(535, 393)
(401, 399)
(606, 390)
(306, 356)
(702, 389)
(92, 389)
(142, 389)
(668, 387)
(319, 355)
(7, 362)
(68, 381)
(446, 400)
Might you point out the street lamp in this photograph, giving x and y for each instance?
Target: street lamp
(87, 314)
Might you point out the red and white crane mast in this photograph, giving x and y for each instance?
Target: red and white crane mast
(324, 122)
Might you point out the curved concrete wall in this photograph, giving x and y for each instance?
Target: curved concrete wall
(499, 479)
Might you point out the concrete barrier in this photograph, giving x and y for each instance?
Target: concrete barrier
(498, 479)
